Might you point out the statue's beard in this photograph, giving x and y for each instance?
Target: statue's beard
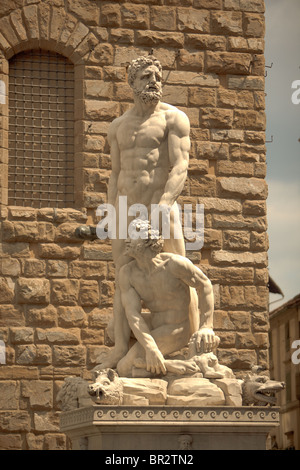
(151, 96)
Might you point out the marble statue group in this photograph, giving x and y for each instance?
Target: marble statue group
(150, 146)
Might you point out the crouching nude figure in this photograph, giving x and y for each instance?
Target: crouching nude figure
(162, 282)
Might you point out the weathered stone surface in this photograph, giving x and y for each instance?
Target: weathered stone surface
(14, 421)
(33, 291)
(64, 291)
(71, 316)
(227, 62)
(41, 316)
(11, 315)
(163, 18)
(89, 293)
(194, 391)
(6, 292)
(10, 441)
(194, 21)
(232, 390)
(68, 355)
(87, 11)
(55, 251)
(220, 205)
(251, 188)
(58, 335)
(158, 38)
(46, 421)
(233, 275)
(20, 335)
(106, 110)
(229, 22)
(135, 16)
(235, 258)
(31, 354)
(154, 390)
(9, 393)
(39, 393)
(88, 269)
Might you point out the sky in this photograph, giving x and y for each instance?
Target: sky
(282, 48)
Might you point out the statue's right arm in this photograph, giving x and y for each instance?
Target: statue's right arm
(115, 163)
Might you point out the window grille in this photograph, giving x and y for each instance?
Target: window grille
(41, 130)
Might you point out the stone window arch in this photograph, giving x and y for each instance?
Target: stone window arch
(41, 130)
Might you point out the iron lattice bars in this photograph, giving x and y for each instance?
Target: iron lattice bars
(41, 130)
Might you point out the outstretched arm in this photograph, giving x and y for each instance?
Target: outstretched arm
(132, 304)
(185, 270)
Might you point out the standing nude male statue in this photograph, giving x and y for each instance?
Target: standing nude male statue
(149, 154)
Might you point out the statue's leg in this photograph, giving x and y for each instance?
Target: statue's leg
(175, 244)
(168, 338)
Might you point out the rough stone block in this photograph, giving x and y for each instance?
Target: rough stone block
(163, 18)
(194, 391)
(87, 11)
(34, 267)
(64, 291)
(250, 188)
(31, 354)
(9, 394)
(21, 335)
(193, 20)
(33, 291)
(110, 15)
(217, 118)
(71, 316)
(88, 269)
(11, 315)
(39, 393)
(135, 16)
(41, 316)
(89, 293)
(14, 421)
(236, 240)
(57, 268)
(226, 22)
(161, 39)
(59, 335)
(9, 267)
(228, 63)
(205, 41)
(233, 275)
(101, 110)
(254, 25)
(191, 60)
(68, 356)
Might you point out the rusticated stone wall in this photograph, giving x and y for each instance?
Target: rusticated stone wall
(55, 290)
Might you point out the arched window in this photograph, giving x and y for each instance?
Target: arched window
(41, 130)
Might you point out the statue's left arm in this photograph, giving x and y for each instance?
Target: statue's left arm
(185, 270)
(178, 148)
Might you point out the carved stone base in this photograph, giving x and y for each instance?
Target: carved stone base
(169, 427)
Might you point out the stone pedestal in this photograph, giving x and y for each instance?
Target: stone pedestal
(169, 427)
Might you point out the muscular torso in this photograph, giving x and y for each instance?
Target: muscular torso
(144, 159)
(164, 295)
